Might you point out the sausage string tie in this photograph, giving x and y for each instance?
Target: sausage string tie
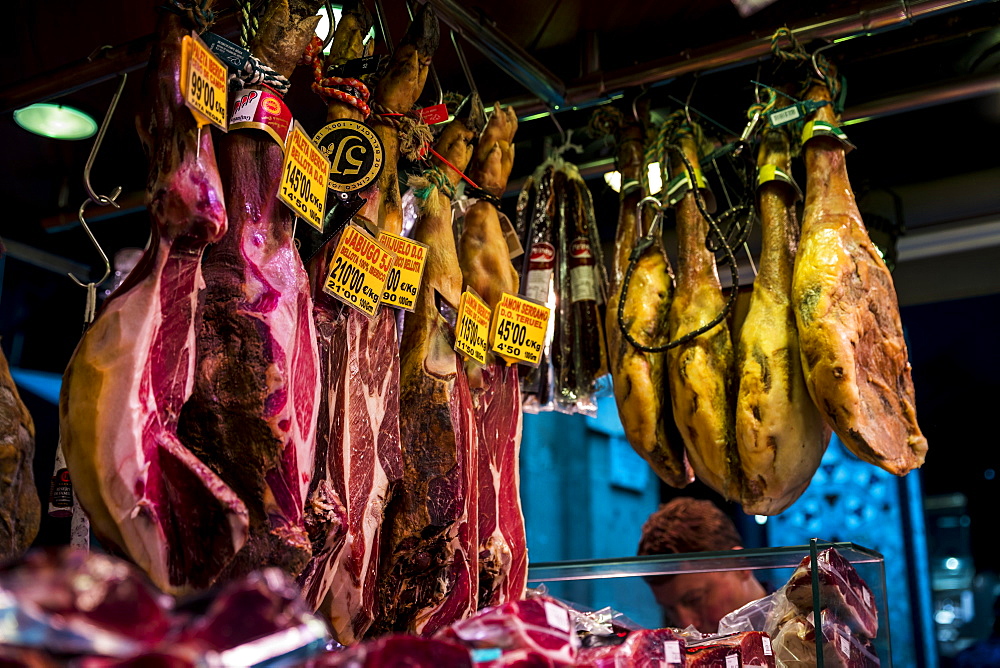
(346, 89)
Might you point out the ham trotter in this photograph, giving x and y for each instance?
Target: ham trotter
(496, 395)
(252, 414)
(853, 353)
(641, 390)
(20, 509)
(780, 435)
(146, 493)
(429, 573)
(701, 370)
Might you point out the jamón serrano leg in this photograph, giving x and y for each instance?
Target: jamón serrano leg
(701, 371)
(429, 570)
(252, 415)
(495, 388)
(853, 353)
(20, 509)
(147, 494)
(780, 435)
(641, 390)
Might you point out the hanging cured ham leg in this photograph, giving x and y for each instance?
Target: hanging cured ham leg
(252, 415)
(20, 509)
(429, 573)
(358, 457)
(496, 395)
(147, 494)
(701, 370)
(780, 435)
(641, 389)
(853, 352)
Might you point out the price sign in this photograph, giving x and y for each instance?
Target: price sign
(303, 178)
(404, 278)
(204, 82)
(519, 328)
(473, 327)
(358, 271)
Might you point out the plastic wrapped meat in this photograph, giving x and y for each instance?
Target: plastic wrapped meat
(660, 648)
(841, 589)
(795, 644)
(537, 631)
(738, 650)
(398, 651)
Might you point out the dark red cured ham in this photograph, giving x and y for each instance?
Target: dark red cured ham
(429, 573)
(644, 648)
(252, 414)
(147, 494)
(495, 388)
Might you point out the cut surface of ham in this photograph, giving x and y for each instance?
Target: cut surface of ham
(751, 648)
(841, 589)
(20, 508)
(641, 388)
(147, 494)
(645, 648)
(252, 412)
(780, 436)
(852, 346)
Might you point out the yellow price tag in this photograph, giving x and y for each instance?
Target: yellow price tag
(404, 277)
(519, 328)
(358, 270)
(304, 176)
(204, 82)
(473, 327)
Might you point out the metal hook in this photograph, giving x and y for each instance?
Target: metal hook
(383, 26)
(635, 102)
(101, 199)
(93, 240)
(333, 26)
(657, 218)
(464, 63)
(815, 64)
(687, 102)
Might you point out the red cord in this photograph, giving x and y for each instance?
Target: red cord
(460, 173)
(327, 87)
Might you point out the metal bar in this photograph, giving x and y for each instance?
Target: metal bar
(510, 57)
(723, 55)
(44, 259)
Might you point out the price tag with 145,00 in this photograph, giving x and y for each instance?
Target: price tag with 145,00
(519, 328)
(204, 82)
(358, 271)
(303, 177)
(404, 277)
(473, 328)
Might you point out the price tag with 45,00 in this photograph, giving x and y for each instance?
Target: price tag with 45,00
(473, 328)
(304, 175)
(358, 270)
(519, 329)
(204, 82)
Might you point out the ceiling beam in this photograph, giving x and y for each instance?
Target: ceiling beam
(508, 56)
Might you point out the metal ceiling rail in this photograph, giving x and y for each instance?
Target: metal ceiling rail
(510, 57)
(868, 21)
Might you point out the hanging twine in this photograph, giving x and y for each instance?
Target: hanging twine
(606, 120)
(427, 185)
(195, 11)
(348, 90)
(249, 23)
(785, 46)
(414, 134)
(256, 73)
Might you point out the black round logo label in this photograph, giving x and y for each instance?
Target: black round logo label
(355, 153)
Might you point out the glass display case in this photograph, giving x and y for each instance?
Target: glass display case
(619, 583)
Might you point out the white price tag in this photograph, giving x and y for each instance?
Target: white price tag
(672, 651)
(733, 661)
(845, 646)
(558, 618)
(767, 645)
(866, 596)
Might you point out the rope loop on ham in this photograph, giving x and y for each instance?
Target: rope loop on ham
(348, 90)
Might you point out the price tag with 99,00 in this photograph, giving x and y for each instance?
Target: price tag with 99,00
(304, 175)
(358, 271)
(473, 328)
(519, 329)
(204, 82)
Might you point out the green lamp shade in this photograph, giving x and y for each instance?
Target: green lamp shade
(56, 121)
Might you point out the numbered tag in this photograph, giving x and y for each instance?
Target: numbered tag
(303, 178)
(204, 82)
(473, 328)
(404, 277)
(519, 328)
(358, 271)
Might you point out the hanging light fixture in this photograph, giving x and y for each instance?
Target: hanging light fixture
(614, 179)
(56, 121)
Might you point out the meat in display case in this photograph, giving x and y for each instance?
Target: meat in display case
(839, 587)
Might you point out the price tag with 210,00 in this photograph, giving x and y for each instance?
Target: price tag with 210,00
(358, 270)
(204, 82)
(519, 329)
(304, 175)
